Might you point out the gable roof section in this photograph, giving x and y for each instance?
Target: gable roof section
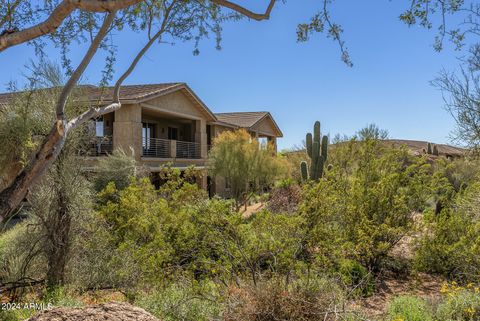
(130, 94)
(247, 119)
(143, 93)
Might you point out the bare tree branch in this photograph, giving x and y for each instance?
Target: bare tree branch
(116, 104)
(244, 11)
(72, 81)
(62, 11)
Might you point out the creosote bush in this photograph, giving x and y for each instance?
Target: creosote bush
(364, 206)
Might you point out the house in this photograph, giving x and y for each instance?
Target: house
(168, 123)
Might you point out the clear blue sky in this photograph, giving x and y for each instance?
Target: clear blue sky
(262, 67)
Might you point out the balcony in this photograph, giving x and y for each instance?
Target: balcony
(188, 150)
(165, 148)
(156, 147)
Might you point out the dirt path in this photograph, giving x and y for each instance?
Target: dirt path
(252, 209)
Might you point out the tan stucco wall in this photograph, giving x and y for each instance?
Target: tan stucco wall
(127, 129)
(177, 102)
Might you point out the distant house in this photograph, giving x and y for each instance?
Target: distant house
(168, 123)
(419, 147)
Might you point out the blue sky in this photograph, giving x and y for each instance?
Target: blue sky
(262, 67)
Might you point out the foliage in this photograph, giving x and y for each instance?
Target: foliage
(244, 163)
(356, 277)
(409, 308)
(184, 300)
(370, 132)
(118, 167)
(451, 246)
(459, 303)
(364, 205)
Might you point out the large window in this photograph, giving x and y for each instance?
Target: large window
(99, 127)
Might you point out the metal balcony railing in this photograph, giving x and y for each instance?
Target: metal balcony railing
(190, 150)
(156, 147)
(100, 146)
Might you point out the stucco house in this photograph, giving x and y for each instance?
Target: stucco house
(169, 123)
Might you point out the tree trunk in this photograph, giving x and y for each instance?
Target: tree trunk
(12, 196)
(59, 239)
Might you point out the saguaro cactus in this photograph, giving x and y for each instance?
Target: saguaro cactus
(435, 150)
(429, 149)
(317, 150)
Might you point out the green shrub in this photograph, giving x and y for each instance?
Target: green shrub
(409, 308)
(451, 247)
(183, 301)
(356, 277)
(364, 205)
(460, 304)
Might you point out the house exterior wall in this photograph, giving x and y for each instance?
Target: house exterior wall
(177, 103)
(178, 110)
(127, 129)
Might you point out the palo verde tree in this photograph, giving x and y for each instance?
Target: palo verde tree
(67, 22)
(244, 163)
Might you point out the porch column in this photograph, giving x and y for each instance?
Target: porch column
(127, 130)
(273, 141)
(173, 148)
(201, 137)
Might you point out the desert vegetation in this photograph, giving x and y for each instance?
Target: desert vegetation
(319, 248)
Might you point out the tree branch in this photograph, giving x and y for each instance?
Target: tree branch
(244, 11)
(62, 11)
(98, 111)
(72, 81)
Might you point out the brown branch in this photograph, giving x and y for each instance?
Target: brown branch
(60, 13)
(98, 111)
(246, 12)
(72, 81)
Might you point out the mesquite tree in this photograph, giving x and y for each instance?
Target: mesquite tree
(63, 22)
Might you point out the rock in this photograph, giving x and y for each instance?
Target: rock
(115, 311)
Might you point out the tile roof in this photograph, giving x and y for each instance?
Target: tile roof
(241, 119)
(127, 92)
(104, 94)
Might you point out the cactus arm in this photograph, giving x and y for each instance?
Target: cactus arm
(309, 142)
(304, 170)
(325, 148)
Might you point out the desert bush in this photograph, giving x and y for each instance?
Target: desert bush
(300, 300)
(450, 247)
(285, 197)
(118, 167)
(364, 205)
(409, 308)
(19, 259)
(459, 303)
(357, 279)
(183, 300)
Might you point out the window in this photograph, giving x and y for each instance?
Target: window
(148, 132)
(99, 127)
(172, 133)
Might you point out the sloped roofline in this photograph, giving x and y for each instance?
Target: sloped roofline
(178, 87)
(269, 115)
